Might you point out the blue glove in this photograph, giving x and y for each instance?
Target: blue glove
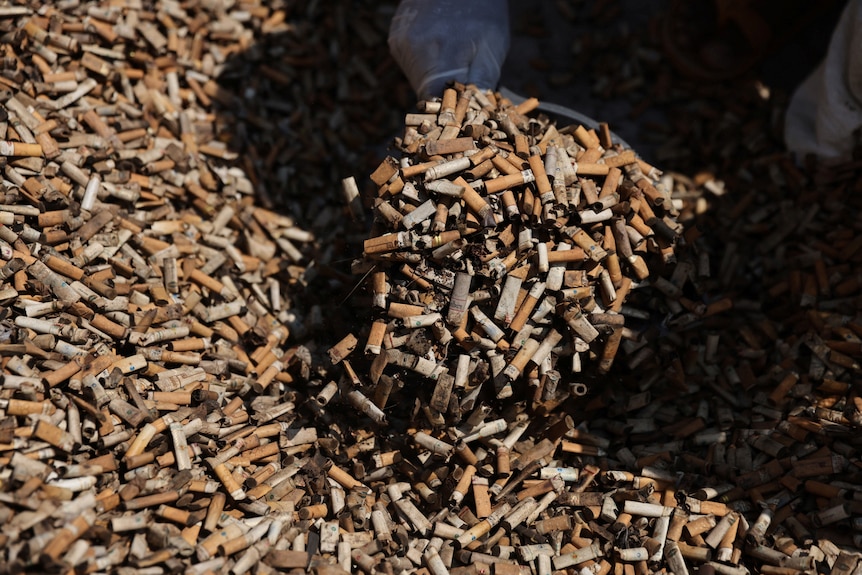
(436, 41)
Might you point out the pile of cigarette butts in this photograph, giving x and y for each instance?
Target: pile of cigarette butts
(507, 249)
(562, 368)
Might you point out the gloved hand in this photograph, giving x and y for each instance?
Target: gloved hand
(435, 41)
(826, 108)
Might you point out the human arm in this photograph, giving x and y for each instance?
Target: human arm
(437, 41)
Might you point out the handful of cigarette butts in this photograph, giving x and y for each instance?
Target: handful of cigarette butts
(503, 249)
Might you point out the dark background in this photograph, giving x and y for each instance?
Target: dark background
(605, 58)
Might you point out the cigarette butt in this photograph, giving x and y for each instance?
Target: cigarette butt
(342, 349)
(20, 149)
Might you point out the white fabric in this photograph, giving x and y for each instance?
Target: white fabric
(826, 108)
(435, 41)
